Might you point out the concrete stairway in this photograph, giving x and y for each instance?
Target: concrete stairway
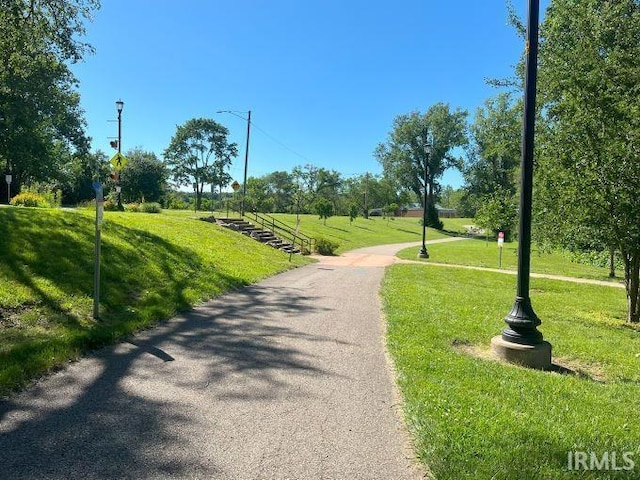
(257, 233)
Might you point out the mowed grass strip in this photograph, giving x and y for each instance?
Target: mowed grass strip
(480, 253)
(473, 417)
(364, 232)
(152, 266)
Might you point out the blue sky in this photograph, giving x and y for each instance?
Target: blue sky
(324, 79)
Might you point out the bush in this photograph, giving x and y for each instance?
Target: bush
(29, 199)
(325, 246)
(132, 207)
(110, 205)
(151, 207)
(49, 195)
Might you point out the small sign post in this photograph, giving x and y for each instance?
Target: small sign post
(500, 245)
(96, 272)
(8, 178)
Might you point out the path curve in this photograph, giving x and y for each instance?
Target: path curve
(285, 379)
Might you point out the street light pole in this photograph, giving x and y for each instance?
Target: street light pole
(423, 253)
(119, 107)
(246, 161)
(521, 342)
(246, 153)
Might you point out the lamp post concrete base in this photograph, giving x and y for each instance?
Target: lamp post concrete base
(533, 356)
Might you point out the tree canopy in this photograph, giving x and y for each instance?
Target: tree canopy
(589, 163)
(200, 153)
(404, 159)
(492, 168)
(144, 178)
(41, 122)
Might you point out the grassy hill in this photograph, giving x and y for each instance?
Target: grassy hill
(366, 232)
(153, 265)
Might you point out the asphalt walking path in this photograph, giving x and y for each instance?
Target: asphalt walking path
(285, 379)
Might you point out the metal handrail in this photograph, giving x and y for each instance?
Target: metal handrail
(281, 229)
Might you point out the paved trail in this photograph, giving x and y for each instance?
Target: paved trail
(286, 379)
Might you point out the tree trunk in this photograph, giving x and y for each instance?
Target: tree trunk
(612, 262)
(632, 283)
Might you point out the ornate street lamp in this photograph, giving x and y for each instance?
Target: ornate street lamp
(119, 107)
(423, 253)
(521, 342)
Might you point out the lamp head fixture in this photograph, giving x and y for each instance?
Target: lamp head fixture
(119, 105)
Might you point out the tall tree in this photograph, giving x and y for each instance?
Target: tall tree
(198, 152)
(329, 186)
(403, 157)
(281, 188)
(589, 166)
(41, 122)
(258, 195)
(493, 153)
(144, 177)
(492, 167)
(77, 176)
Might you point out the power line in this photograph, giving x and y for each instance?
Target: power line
(280, 143)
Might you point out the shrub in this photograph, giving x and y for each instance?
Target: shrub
(325, 246)
(150, 207)
(29, 199)
(132, 207)
(110, 205)
(51, 195)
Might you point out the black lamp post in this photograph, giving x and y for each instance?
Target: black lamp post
(423, 253)
(521, 342)
(119, 107)
(246, 153)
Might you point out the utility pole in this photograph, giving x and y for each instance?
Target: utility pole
(246, 162)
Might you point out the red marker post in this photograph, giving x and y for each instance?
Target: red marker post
(500, 245)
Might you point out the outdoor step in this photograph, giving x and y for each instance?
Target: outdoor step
(264, 236)
(260, 235)
(231, 219)
(277, 243)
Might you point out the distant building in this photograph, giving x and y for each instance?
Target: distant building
(414, 210)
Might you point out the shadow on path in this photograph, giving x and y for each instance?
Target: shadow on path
(142, 409)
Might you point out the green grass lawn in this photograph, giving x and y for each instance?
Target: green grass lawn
(480, 419)
(153, 265)
(363, 232)
(357, 234)
(480, 253)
